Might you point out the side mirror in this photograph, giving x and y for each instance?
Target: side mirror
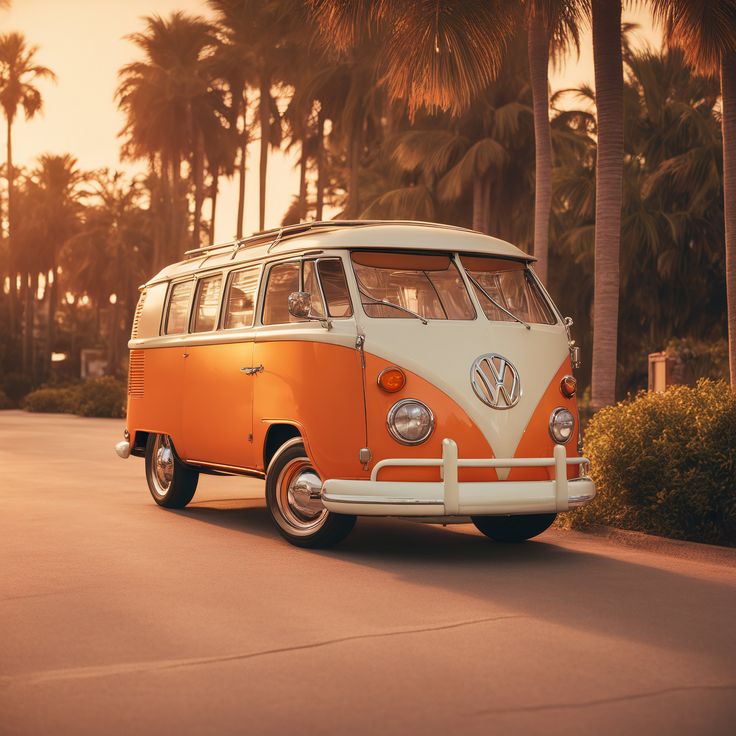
(300, 304)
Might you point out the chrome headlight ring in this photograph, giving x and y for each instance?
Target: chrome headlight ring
(410, 422)
(561, 425)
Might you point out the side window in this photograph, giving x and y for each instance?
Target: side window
(282, 280)
(207, 303)
(177, 317)
(241, 299)
(335, 287)
(312, 286)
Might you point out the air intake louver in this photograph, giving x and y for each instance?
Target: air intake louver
(137, 315)
(135, 374)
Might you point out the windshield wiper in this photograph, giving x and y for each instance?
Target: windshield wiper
(391, 304)
(493, 301)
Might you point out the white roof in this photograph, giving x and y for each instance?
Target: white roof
(341, 236)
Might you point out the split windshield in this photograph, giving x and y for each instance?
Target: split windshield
(427, 286)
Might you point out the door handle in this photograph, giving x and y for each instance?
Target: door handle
(186, 355)
(252, 371)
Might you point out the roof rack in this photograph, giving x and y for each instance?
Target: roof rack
(279, 232)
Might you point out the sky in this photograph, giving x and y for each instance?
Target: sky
(83, 42)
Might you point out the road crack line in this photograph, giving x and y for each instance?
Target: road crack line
(82, 673)
(600, 701)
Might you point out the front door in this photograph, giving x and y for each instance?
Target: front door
(218, 406)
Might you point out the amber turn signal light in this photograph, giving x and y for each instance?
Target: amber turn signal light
(392, 379)
(568, 386)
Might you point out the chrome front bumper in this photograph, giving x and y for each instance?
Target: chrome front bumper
(449, 497)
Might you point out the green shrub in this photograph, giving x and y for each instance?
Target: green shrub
(51, 400)
(102, 397)
(665, 463)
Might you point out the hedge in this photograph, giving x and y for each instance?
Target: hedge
(99, 397)
(665, 463)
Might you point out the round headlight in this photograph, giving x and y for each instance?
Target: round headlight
(410, 421)
(561, 425)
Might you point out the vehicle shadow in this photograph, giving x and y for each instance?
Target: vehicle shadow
(545, 578)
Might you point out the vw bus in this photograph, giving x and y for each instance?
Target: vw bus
(362, 369)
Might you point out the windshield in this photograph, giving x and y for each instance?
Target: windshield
(508, 284)
(406, 285)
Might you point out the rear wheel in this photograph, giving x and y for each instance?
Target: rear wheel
(292, 493)
(513, 528)
(171, 482)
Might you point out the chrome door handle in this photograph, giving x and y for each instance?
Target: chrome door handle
(252, 371)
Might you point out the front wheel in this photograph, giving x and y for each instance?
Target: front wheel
(171, 482)
(513, 528)
(292, 494)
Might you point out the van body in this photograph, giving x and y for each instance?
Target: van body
(361, 368)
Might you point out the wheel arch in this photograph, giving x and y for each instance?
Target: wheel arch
(277, 435)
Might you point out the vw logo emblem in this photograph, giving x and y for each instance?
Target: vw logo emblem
(495, 381)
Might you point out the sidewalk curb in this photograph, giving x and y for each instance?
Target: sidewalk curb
(694, 551)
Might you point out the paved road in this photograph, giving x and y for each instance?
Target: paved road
(119, 617)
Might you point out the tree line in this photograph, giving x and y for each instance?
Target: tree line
(413, 110)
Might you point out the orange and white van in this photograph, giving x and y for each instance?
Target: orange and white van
(363, 369)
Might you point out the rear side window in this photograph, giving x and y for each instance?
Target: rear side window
(283, 279)
(335, 287)
(177, 316)
(241, 299)
(207, 303)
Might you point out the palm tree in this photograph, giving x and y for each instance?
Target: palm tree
(260, 32)
(672, 215)
(48, 205)
(109, 255)
(438, 56)
(552, 26)
(233, 63)
(170, 101)
(706, 32)
(608, 69)
(19, 74)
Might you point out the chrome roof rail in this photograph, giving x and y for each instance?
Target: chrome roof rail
(260, 237)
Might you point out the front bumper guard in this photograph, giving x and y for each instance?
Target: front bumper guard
(449, 497)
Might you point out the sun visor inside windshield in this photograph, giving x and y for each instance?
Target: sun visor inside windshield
(399, 261)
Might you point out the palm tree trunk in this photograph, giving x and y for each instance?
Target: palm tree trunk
(352, 209)
(303, 185)
(213, 197)
(177, 210)
(608, 191)
(158, 175)
(490, 209)
(728, 122)
(198, 177)
(478, 204)
(321, 173)
(12, 267)
(538, 72)
(52, 291)
(264, 108)
(31, 286)
(241, 182)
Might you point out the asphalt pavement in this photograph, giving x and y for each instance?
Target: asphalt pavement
(119, 617)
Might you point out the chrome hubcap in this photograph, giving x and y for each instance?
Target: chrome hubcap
(163, 465)
(298, 497)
